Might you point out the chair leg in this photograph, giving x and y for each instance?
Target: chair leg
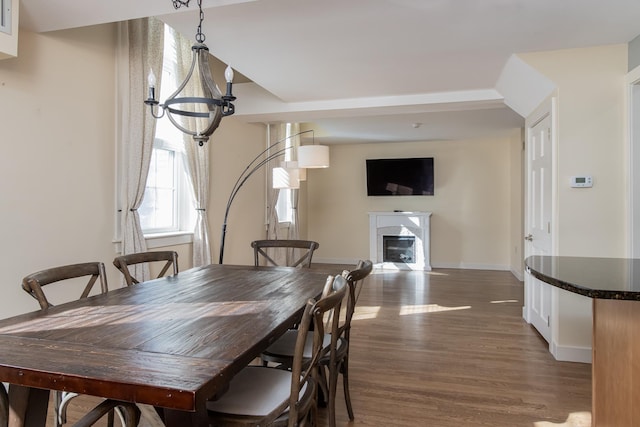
(333, 385)
(57, 397)
(322, 396)
(344, 367)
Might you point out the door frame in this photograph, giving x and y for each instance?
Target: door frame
(632, 135)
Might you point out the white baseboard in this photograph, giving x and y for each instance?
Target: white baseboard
(518, 275)
(460, 266)
(346, 261)
(570, 353)
(467, 266)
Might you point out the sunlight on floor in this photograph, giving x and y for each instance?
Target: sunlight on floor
(428, 308)
(503, 301)
(575, 419)
(364, 313)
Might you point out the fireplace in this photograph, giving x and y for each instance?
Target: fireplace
(399, 249)
(400, 240)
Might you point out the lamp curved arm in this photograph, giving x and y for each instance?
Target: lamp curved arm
(254, 165)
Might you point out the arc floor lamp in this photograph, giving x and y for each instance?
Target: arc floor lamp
(309, 157)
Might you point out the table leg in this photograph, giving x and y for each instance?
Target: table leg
(21, 398)
(149, 418)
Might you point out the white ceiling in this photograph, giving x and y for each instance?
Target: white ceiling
(367, 70)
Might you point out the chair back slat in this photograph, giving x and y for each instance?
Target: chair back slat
(305, 247)
(122, 263)
(34, 283)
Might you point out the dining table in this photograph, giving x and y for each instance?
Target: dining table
(172, 342)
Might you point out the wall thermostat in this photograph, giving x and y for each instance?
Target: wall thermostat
(582, 181)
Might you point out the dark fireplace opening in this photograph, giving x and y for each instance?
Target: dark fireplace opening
(399, 249)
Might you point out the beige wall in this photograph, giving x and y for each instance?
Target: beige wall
(591, 222)
(57, 173)
(57, 167)
(516, 215)
(471, 207)
(234, 145)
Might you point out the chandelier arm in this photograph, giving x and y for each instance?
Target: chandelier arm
(177, 124)
(186, 79)
(211, 90)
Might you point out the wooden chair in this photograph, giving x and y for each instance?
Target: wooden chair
(282, 350)
(261, 247)
(129, 414)
(266, 396)
(122, 263)
(34, 283)
(4, 406)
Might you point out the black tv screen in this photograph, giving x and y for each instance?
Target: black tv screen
(400, 177)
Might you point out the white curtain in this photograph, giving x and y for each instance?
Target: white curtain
(294, 228)
(197, 161)
(274, 134)
(140, 45)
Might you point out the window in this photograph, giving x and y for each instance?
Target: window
(5, 16)
(168, 203)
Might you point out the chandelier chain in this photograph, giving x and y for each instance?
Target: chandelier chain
(200, 37)
(177, 4)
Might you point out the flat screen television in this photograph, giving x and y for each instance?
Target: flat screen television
(400, 177)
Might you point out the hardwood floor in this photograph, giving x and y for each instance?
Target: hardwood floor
(450, 348)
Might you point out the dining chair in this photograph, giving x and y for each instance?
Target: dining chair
(122, 263)
(265, 250)
(34, 283)
(282, 350)
(129, 414)
(4, 406)
(267, 396)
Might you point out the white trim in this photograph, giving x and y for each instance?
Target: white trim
(162, 240)
(471, 266)
(631, 79)
(457, 266)
(5, 16)
(346, 261)
(570, 353)
(517, 274)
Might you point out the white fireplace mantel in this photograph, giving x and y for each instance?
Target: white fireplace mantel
(415, 224)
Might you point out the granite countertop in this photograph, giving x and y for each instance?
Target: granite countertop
(605, 278)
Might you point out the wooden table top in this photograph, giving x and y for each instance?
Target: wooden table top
(170, 342)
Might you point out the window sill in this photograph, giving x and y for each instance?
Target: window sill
(161, 240)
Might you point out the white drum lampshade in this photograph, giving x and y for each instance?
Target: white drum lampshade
(292, 164)
(313, 156)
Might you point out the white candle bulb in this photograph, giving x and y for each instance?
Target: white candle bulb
(228, 74)
(151, 79)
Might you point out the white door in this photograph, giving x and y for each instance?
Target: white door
(538, 221)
